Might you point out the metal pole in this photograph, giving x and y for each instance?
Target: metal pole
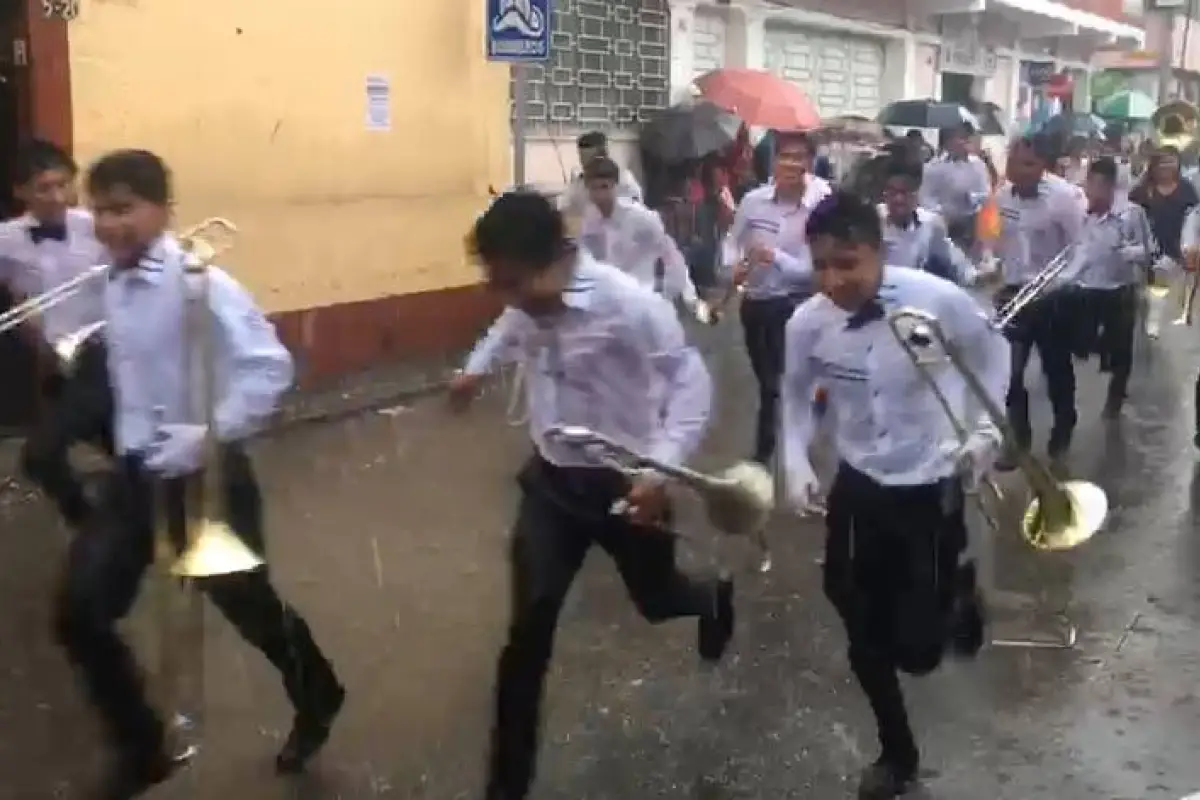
(1166, 58)
(520, 120)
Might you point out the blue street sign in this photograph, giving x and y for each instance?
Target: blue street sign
(518, 30)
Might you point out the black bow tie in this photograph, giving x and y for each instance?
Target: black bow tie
(871, 311)
(48, 230)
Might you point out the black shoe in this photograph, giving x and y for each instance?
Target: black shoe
(1059, 444)
(883, 781)
(310, 731)
(715, 628)
(133, 776)
(1112, 407)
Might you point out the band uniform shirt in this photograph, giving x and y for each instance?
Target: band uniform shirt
(886, 421)
(634, 239)
(923, 238)
(1033, 230)
(34, 260)
(761, 219)
(614, 360)
(575, 200)
(148, 352)
(953, 187)
(1111, 246)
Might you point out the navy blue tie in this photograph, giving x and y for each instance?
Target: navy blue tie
(871, 311)
(48, 230)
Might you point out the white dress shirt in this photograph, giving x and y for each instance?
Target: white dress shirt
(148, 350)
(633, 238)
(762, 219)
(1033, 230)
(30, 268)
(575, 199)
(954, 188)
(887, 423)
(922, 237)
(614, 360)
(1111, 246)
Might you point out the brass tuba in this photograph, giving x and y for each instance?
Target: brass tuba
(1175, 125)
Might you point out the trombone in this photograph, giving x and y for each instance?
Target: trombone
(208, 546)
(67, 346)
(738, 501)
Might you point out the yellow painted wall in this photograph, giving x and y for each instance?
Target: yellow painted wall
(260, 108)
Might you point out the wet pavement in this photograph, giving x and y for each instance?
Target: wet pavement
(388, 531)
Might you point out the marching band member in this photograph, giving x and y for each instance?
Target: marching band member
(575, 199)
(768, 256)
(1041, 217)
(600, 350)
(49, 245)
(955, 185)
(1167, 199)
(626, 234)
(157, 440)
(916, 237)
(1105, 267)
(895, 526)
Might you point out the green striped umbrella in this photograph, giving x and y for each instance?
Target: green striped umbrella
(1126, 105)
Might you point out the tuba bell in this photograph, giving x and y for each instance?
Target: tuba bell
(1175, 125)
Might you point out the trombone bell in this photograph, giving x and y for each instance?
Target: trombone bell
(1066, 525)
(215, 550)
(739, 500)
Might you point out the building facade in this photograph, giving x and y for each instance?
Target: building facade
(854, 56)
(352, 180)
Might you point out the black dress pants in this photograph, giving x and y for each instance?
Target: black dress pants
(892, 573)
(104, 568)
(77, 407)
(764, 326)
(563, 512)
(1047, 324)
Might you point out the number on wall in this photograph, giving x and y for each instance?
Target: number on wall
(60, 9)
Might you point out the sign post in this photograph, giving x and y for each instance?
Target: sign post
(518, 33)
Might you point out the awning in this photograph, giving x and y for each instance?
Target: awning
(1043, 19)
(1072, 21)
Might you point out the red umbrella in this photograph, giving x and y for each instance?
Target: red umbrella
(759, 98)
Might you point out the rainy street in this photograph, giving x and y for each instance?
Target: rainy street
(388, 530)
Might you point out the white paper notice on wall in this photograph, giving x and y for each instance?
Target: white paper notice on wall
(379, 103)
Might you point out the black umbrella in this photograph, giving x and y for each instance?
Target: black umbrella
(926, 114)
(1072, 124)
(689, 131)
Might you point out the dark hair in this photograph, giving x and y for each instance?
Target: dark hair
(900, 167)
(846, 217)
(140, 171)
(520, 227)
(1044, 146)
(1105, 168)
(38, 156)
(597, 140)
(786, 138)
(914, 133)
(601, 168)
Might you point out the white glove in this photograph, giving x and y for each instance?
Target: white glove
(177, 450)
(803, 489)
(976, 456)
(1165, 264)
(702, 312)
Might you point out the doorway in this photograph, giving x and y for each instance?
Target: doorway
(18, 364)
(957, 88)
